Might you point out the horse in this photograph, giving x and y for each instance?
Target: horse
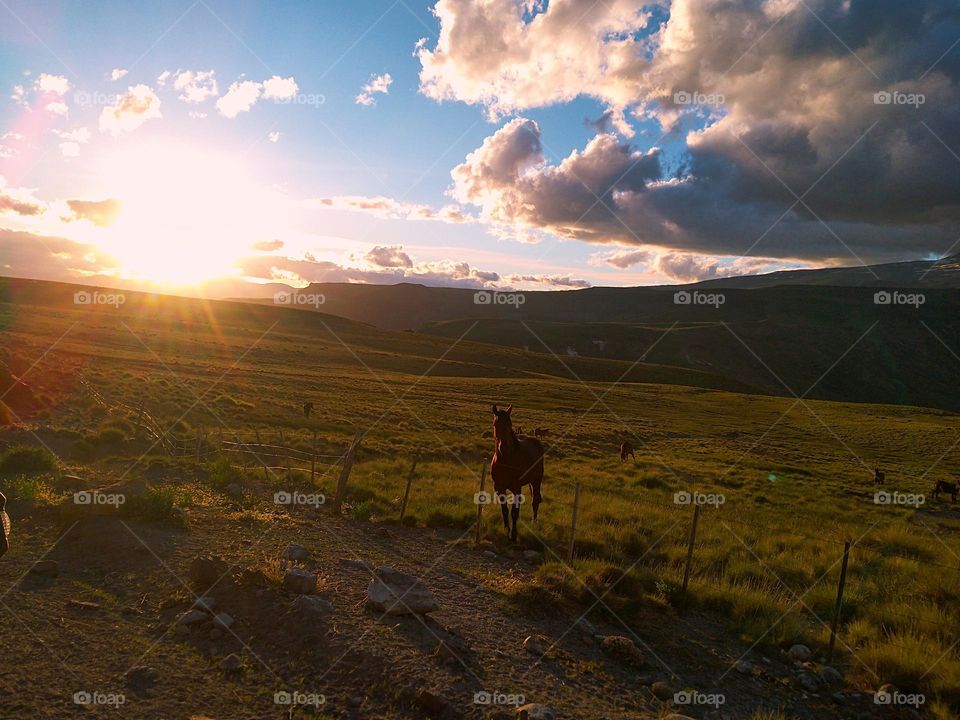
(879, 478)
(307, 409)
(516, 462)
(943, 486)
(626, 449)
(541, 432)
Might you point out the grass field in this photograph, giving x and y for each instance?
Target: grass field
(796, 477)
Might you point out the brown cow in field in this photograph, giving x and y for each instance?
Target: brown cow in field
(626, 449)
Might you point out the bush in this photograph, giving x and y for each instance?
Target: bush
(222, 472)
(111, 436)
(26, 459)
(155, 504)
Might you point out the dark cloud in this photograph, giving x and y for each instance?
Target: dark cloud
(9, 203)
(391, 256)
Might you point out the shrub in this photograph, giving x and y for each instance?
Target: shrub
(222, 472)
(111, 436)
(27, 459)
(156, 504)
(361, 510)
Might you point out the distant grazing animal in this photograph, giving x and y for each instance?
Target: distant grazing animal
(878, 477)
(626, 449)
(517, 462)
(307, 409)
(542, 432)
(944, 486)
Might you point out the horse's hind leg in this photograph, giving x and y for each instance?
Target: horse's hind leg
(536, 499)
(515, 515)
(502, 501)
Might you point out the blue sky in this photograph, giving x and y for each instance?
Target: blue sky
(576, 208)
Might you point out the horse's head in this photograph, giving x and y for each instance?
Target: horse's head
(502, 424)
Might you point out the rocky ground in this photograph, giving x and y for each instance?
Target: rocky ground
(250, 612)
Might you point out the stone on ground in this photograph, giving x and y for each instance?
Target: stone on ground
(397, 593)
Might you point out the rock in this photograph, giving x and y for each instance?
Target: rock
(587, 628)
(536, 645)
(216, 633)
(432, 703)
(205, 603)
(231, 663)
(839, 698)
(141, 677)
(296, 553)
(397, 593)
(192, 617)
(234, 491)
(799, 652)
(489, 554)
(743, 667)
(662, 690)
(533, 557)
(47, 568)
(207, 571)
(809, 682)
(830, 676)
(355, 701)
(353, 564)
(182, 630)
(297, 580)
(535, 711)
(623, 649)
(223, 621)
(308, 606)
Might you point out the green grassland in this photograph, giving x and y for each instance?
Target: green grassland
(796, 477)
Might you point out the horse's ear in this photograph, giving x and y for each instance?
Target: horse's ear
(509, 408)
(494, 409)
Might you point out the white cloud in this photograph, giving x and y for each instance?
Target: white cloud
(19, 95)
(79, 135)
(274, 136)
(163, 77)
(278, 88)
(52, 84)
(386, 207)
(139, 104)
(377, 84)
(117, 73)
(57, 108)
(195, 86)
(196, 115)
(239, 98)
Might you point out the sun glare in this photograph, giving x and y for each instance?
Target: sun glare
(186, 214)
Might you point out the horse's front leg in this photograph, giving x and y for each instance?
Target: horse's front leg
(515, 515)
(501, 499)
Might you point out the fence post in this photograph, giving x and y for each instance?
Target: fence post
(836, 609)
(573, 523)
(266, 474)
(406, 493)
(345, 471)
(313, 460)
(220, 438)
(692, 542)
(199, 428)
(483, 480)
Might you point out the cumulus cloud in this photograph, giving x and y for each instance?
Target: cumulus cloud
(51, 84)
(101, 213)
(195, 86)
(139, 104)
(57, 108)
(273, 136)
(389, 256)
(240, 97)
(377, 84)
(19, 95)
(627, 258)
(72, 140)
(779, 109)
(117, 74)
(278, 88)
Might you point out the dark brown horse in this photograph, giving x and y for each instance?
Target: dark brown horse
(307, 409)
(949, 488)
(517, 462)
(879, 477)
(626, 449)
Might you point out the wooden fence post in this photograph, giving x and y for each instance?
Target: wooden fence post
(573, 523)
(406, 493)
(345, 471)
(313, 460)
(836, 609)
(691, 543)
(483, 480)
(266, 474)
(199, 428)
